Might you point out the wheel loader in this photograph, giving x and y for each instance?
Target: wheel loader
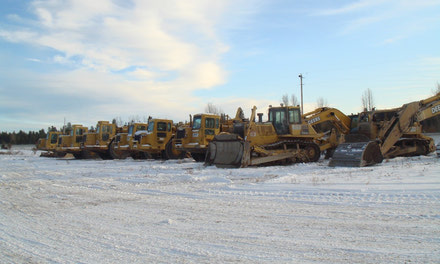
(284, 139)
(387, 134)
(195, 137)
(99, 141)
(121, 146)
(72, 143)
(49, 144)
(157, 140)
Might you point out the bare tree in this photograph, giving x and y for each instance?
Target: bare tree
(294, 100)
(213, 109)
(321, 102)
(437, 91)
(367, 100)
(285, 100)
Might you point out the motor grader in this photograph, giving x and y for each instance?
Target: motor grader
(121, 146)
(285, 138)
(195, 137)
(99, 140)
(387, 134)
(72, 143)
(49, 144)
(157, 140)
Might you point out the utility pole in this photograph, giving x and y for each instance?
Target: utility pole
(301, 78)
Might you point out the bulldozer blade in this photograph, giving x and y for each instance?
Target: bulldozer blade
(228, 151)
(356, 154)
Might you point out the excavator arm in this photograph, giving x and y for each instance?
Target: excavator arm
(390, 142)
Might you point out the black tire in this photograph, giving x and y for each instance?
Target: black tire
(172, 153)
(199, 157)
(313, 152)
(116, 154)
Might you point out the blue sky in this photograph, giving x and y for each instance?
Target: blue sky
(84, 61)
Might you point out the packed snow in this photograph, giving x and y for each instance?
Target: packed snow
(135, 211)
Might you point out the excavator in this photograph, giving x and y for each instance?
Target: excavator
(195, 137)
(332, 123)
(387, 134)
(284, 139)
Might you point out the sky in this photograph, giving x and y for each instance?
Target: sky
(82, 61)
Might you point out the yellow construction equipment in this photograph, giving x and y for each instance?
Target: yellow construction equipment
(332, 123)
(195, 137)
(389, 133)
(157, 140)
(99, 140)
(72, 143)
(286, 138)
(49, 145)
(121, 146)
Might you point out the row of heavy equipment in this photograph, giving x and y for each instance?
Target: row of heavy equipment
(288, 136)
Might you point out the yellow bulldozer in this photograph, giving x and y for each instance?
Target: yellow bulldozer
(195, 137)
(157, 140)
(285, 138)
(387, 134)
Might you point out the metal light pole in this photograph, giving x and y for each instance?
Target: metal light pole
(301, 78)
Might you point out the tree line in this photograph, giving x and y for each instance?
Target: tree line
(21, 138)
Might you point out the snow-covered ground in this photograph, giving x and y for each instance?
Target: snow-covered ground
(130, 211)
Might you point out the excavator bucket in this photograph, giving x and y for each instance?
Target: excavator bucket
(356, 154)
(228, 151)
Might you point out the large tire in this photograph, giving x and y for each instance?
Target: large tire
(313, 152)
(172, 153)
(199, 157)
(116, 154)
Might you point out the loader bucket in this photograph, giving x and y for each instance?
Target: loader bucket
(228, 151)
(356, 154)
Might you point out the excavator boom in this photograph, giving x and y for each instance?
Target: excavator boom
(389, 135)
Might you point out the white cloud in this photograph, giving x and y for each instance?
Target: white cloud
(389, 15)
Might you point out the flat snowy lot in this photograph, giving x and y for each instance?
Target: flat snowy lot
(128, 211)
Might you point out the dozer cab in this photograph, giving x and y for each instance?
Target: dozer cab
(121, 146)
(387, 134)
(195, 137)
(157, 141)
(285, 138)
(98, 141)
(72, 143)
(49, 145)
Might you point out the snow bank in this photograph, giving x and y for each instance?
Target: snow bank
(95, 211)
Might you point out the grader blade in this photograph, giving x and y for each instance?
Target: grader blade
(356, 154)
(228, 151)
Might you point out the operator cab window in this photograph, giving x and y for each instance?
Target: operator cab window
(209, 123)
(294, 116)
(197, 122)
(150, 127)
(161, 126)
